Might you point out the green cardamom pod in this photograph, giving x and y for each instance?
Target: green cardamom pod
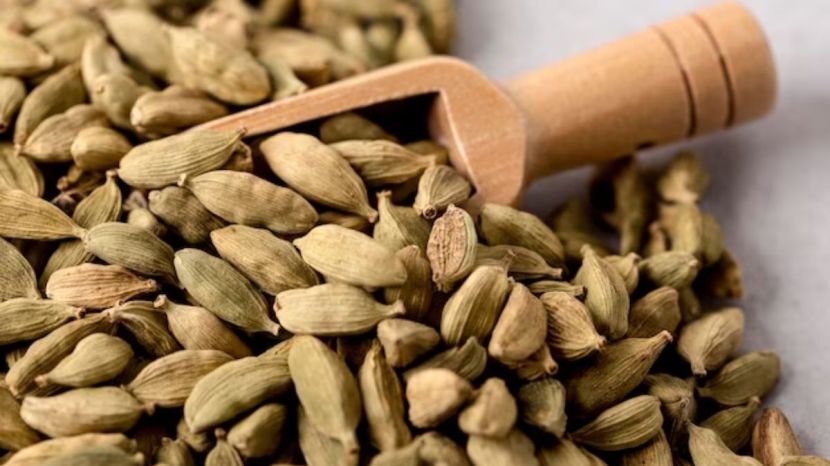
(51, 141)
(97, 456)
(140, 35)
(473, 309)
(17, 279)
(24, 216)
(131, 247)
(607, 295)
(200, 442)
(627, 267)
(97, 358)
(168, 381)
(147, 326)
(629, 424)
(435, 450)
(173, 110)
(351, 126)
(676, 269)
(14, 433)
(381, 162)
(56, 94)
(492, 411)
(383, 404)
(656, 311)
(804, 460)
(751, 375)
(707, 449)
(434, 396)
(515, 449)
(98, 148)
(416, 291)
(452, 248)
(656, 452)
(773, 438)
(196, 328)
(26, 319)
(468, 360)
(12, 93)
(506, 225)
(258, 434)
(22, 56)
(552, 286)
(524, 263)
(439, 187)
(570, 334)
(320, 449)
(520, 329)
(710, 341)
(565, 451)
(684, 180)
(542, 405)
(19, 172)
(679, 404)
(405, 340)
(734, 425)
(40, 452)
(97, 286)
(174, 453)
(179, 209)
(223, 453)
(398, 227)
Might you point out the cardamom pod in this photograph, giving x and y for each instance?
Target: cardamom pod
(97, 286)
(412, 43)
(98, 58)
(196, 328)
(551, 286)
(684, 180)
(542, 405)
(734, 425)
(565, 451)
(168, 381)
(416, 291)
(751, 375)
(468, 360)
(351, 126)
(380, 162)
(615, 372)
(710, 341)
(452, 248)
(200, 442)
(82, 411)
(539, 364)
(607, 295)
(218, 287)
(570, 332)
(246, 199)
(17, 279)
(690, 306)
(98, 148)
(140, 35)
(439, 187)
(97, 358)
(64, 39)
(773, 439)
(40, 452)
(629, 424)
(574, 226)
(520, 329)
(473, 309)
(30, 318)
(12, 93)
(147, 326)
(404, 340)
(492, 411)
(405, 456)
(172, 110)
(382, 398)
(399, 227)
(258, 434)
(514, 449)
(22, 56)
(223, 453)
(14, 433)
(506, 225)
(524, 263)
(131, 247)
(320, 449)
(24, 216)
(622, 189)
(707, 449)
(115, 94)
(19, 172)
(174, 453)
(656, 452)
(56, 94)
(656, 311)
(679, 403)
(435, 395)
(179, 209)
(283, 80)
(97, 456)
(676, 269)
(627, 267)
(430, 147)
(317, 172)
(326, 389)
(434, 449)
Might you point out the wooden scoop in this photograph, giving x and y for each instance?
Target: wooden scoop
(698, 73)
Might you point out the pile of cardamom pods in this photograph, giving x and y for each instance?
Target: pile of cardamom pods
(323, 298)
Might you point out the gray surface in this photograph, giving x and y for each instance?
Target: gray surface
(771, 179)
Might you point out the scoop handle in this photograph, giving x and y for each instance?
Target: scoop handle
(701, 72)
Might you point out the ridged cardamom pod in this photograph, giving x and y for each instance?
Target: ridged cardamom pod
(773, 438)
(382, 162)
(97, 286)
(19, 172)
(626, 425)
(326, 389)
(64, 38)
(329, 250)
(169, 380)
(452, 248)
(98, 58)
(223, 453)
(259, 434)
(98, 148)
(468, 360)
(160, 163)
(319, 448)
(44, 354)
(218, 287)
(382, 396)
(57, 93)
(404, 340)
(22, 56)
(131, 247)
(351, 126)
(656, 311)
(230, 74)
(676, 269)
(24, 216)
(524, 263)
(97, 358)
(627, 267)
(615, 372)
(174, 453)
(146, 325)
(751, 375)
(42, 451)
(439, 187)
(565, 451)
(51, 141)
(12, 93)
(140, 35)
(398, 227)
(173, 110)
(520, 329)
(416, 291)
(734, 425)
(179, 209)
(551, 286)
(435, 395)
(30, 318)
(690, 306)
(514, 449)
(707, 449)
(570, 332)
(82, 411)
(473, 309)
(17, 279)
(14, 433)
(234, 388)
(317, 172)
(506, 225)
(679, 403)
(684, 180)
(656, 452)
(332, 309)
(542, 405)
(492, 411)
(196, 328)
(97, 456)
(436, 449)
(710, 341)
(607, 295)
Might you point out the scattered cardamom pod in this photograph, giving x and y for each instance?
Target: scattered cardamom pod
(30, 318)
(629, 424)
(676, 269)
(179, 209)
(707, 449)
(570, 332)
(17, 279)
(684, 180)
(133, 248)
(146, 325)
(174, 453)
(439, 187)
(656, 311)
(416, 291)
(679, 404)
(24, 216)
(773, 438)
(97, 286)
(506, 225)
(97, 358)
(258, 434)
(492, 411)
(351, 126)
(18, 172)
(452, 247)
(541, 287)
(97, 148)
(751, 375)
(380, 162)
(607, 295)
(710, 341)
(14, 433)
(172, 110)
(565, 451)
(97, 456)
(22, 56)
(435, 395)
(472, 311)
(734, 425)
(223, 453)
(404, 340)
(468, 360)
(56, 94)
(382, 398)
(320, 449)
(524, 263)
(521, 328)
(627, 267)
(515, 449)
(41, 452)
(12, 93)
(398, 227)
(64, 39)
(656, 452)
(168, 381)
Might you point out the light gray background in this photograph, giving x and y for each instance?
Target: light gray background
(770, 180)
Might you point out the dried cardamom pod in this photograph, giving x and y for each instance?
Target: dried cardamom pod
(690, 306)
(382, 398)
(524, 263)
(351, 126)
(30, 318)
(173, 110)
(160, 163)
(679, 403)
(169, 380)
(492, 411)
(40, 452)
(218, 287)
(318, 172)
(179, 209)
(98, 58)
(573, 225)
(98, 148)
(17, 279)
(473, 309)
(676, 269)
(14, 433)
(434, 449)
(230, 74)
(773, 439)
(656, 452)
(506, 225)
(22, 56)
(234, 388)
(542, 405)
(439, 187)
(314, 59)
(552, 286)
(12, 93)
(246, 199)
(223, 453)
(97, 286)
(56, 94)
(629, 424)
(656, 311)
(326, 389)
(404, 340)
(24, 216)
(468, 360)
(97, 358)
(521, 328)
(452, 247)
(380, 162)
(430, 147)
(19, 172)
(147, 326)
(320, 449)
(607, 295)
(81, 411)
(174, 453)
(710, 341)
(734, 425)
(621, 189)
(416, 291)
(131, 247)
(684, 180)
(627, 267)
(707, 449)
(196, 328)
(64, 39)
(329, 250)
(565, 451)
(751, 375)
(570, 332)
(97, 456)
(258, 434)
(435, 395)
(398, 227)
(514, 449)
(140, 35)
(615, 372)
(200, 442)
